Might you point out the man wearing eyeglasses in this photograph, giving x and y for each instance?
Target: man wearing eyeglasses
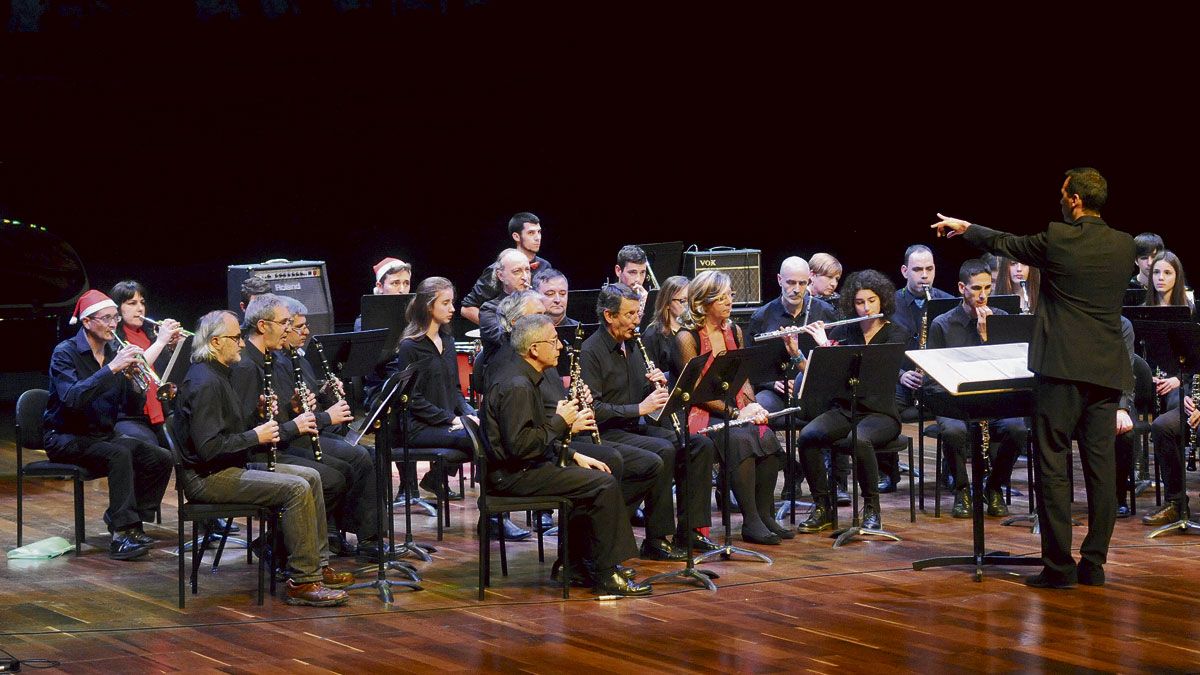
(89, 390)
(216, 438)
(524, 445)
(266, 327)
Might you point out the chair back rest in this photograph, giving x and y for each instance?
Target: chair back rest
(31, 409)
(1143, 386)
(479, 446)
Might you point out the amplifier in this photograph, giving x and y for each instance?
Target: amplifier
(304, 280)
(743, 265)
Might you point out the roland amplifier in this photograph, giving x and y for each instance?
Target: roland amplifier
(304, 280)
(743, 265)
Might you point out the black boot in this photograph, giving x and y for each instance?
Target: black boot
(871, 519)
(821, 517)
(766, 472)
(962, 504)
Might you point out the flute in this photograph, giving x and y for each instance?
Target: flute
(743, 421)
(795, 330)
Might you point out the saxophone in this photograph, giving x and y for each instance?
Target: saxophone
(637, 335)
(270, 407)
(302, 392)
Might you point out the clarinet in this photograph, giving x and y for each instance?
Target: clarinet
(331, 381)
(302, 391)
(270, 406)
(923, 339)
(1191, 448)
(577, 378)
(637, 335)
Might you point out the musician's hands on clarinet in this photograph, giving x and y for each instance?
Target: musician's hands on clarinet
(1165, 385)
(267, 432)
(950, 227)
(913, 379)
(306, 423)
(1189, 406)
(339, 413)
(655, 400)
(1124, 421)
(656, 376)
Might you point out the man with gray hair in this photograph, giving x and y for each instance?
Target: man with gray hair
(496, 321)
(524, 446)
(216, 439)
(525, 230)
(266, 327)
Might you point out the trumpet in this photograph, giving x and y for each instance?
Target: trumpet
(743, 421)
(156, 322)
(141, 373)
(796, 330)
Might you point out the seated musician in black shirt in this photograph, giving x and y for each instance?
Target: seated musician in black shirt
(826, 274)
(91, 385)
(218, 438)
(625, 390)
(358, 511)
(266, 326)
(966, 326)
(659, 336)
(526, 232)
(867, 292)
(524, 447)
(512, 275)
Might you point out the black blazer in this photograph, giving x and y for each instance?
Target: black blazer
(1085, 268)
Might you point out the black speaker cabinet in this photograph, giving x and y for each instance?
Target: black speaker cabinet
(304, 280)
(743, 265)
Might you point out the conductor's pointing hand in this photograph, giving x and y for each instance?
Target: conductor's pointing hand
(950, 227)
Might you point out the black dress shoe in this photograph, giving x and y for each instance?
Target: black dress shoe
(1168, 514)
(1123, 511)
(638, 519)
(371, 549)
(511, 531)
(124, 547)
(769, 539)
(820, 519)
(217, 525)
(699, 542)
(1048, 579)
(962, 504)
(871, 519)
(886, 485)
(139, 535)
(1090, 574)
(432, 483)
(843, 499)
(580, 578)
(340, 546)
(545, 520)
(780, 530)
(615, 583)
(661, 549)
(994, 501)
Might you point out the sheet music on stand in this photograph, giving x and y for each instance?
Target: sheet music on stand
(964, 370)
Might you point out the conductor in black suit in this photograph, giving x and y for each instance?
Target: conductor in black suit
(1077, 354)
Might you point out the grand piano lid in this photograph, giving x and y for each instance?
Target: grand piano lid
(44, 274)
(986, 368)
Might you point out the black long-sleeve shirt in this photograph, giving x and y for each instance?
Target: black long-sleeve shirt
(616, 374)
(487, 288)
(773, 316)
(520, 433)
(214, 429)
(957, 328)
(285, 385)
(247, 378)
(436, 399)
(883, 402)
(86, 398)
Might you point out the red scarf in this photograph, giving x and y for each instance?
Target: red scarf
(698, 418)
(153, 409)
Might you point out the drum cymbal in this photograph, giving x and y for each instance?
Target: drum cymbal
(473, 333)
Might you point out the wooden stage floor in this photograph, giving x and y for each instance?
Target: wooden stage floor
(860, 608)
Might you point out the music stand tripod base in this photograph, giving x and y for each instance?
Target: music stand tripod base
(384, 586)
(421, 502)
(845, 535)
(786, 507)
(1182, 524)
(1032, 518)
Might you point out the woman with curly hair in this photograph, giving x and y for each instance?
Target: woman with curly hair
(865, 293)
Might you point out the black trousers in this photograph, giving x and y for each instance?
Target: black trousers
(637, 471)
(1007, 437)
(1167, 452)
(599, 525)
(457, 441)
(817, 439)
(1064, 409)
(137, 471)
(697, 470)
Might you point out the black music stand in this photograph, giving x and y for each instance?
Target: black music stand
(397, 386)
(1184, 339)
(849, 373)
(791, 482)
(725, 376)
(681, 402)
(971, 407)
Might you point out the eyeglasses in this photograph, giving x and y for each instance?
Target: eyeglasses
(557, 342)
(235, 338)
(286, 323)
(726, 297)
(110, 319)
(301, 328)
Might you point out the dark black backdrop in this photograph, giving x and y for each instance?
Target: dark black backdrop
(166, 150)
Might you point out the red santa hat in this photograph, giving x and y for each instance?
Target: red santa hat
(89, 303)
(387, 266)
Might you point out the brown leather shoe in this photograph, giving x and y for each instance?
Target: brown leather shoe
(314, 595)
(1168, 514)
(331, 578)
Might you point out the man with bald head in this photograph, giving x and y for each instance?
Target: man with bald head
(525, 230)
